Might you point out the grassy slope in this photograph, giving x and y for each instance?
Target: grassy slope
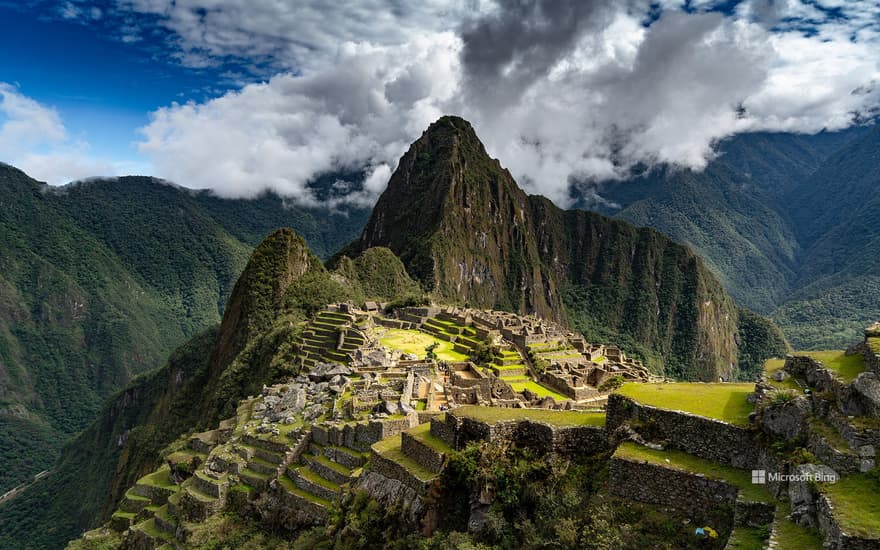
(725, 402)
(415, 341)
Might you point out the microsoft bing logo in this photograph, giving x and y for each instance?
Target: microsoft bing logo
(759, 477)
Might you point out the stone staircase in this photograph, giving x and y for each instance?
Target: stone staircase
(319, 476)
(330, 337)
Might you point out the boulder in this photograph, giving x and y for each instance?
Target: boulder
(863, 399)
(802, 494)
(788, 420)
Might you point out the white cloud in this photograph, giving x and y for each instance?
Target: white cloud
(303, 35)
(611, 94)
(34, 139)
(359, 112)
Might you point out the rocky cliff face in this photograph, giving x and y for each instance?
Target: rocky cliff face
(465, 229)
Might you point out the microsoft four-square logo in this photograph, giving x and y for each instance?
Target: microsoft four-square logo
(759, 477)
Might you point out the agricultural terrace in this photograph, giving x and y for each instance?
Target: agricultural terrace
(415, 342)
(492, 415)
(726, 402)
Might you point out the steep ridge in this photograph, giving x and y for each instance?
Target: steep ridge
(281, 286)
(464, 228)
(101, 279)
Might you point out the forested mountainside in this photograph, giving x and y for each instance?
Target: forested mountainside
(787, 222)
(283, 283)
(100, 280)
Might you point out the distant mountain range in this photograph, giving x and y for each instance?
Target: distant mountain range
(789, 223)
(100, 280)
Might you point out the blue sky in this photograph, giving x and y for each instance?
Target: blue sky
(243, 96)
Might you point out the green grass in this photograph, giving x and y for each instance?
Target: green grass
(747, 538)
(792, 535)
(335, 466)
(684, 462)
(554, 418)
(315, 478)
(422, 433)
(159, 478)
(847, 367)
(771, 367)
(727, 402)
(856, 501)
(149, 527)
(290, 487)
(415, 342)
(509, 367)
(537, 389)
(389, 448)
(831, 435)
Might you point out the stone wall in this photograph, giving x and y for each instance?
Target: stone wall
(835, 537)
(813, 373)
(457, 432)
(361, 435)
(653, 484)
(392, 470)
(703, 437)
(426, 456)
(390, 492)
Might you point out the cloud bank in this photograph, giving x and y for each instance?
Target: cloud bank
(33, 138)
(561, 91)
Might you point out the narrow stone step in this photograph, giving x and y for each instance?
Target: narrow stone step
(349, 458)
(329, 470)
(257, 480)
(307, 480)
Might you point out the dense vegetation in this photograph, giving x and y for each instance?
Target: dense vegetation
(100, 280)
(789, 223)
(282, 284)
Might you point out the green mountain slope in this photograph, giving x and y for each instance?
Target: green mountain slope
(726, 219)
(282, 284)
(100, 280)
(464, 228)
(787, 222)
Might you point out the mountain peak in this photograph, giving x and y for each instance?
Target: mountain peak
(470, 235)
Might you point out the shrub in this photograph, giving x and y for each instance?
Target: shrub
(612, 383)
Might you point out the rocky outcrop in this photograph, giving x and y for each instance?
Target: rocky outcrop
(787, 420)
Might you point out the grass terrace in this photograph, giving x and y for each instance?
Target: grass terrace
(771, 367)
(554, 418)
(415, 342)
(422, 433)
(747, 538)
(389, 448)
(726, 402)
(537, 389)
(159, 478)
(684, 462)
(847, 367)
(791, 535)
(856, 501)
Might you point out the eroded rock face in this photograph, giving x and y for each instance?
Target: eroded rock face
(803, 497)
(788, 421)
(864, 397)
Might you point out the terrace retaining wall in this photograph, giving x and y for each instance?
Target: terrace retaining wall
(458, 431)
(706, 438)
